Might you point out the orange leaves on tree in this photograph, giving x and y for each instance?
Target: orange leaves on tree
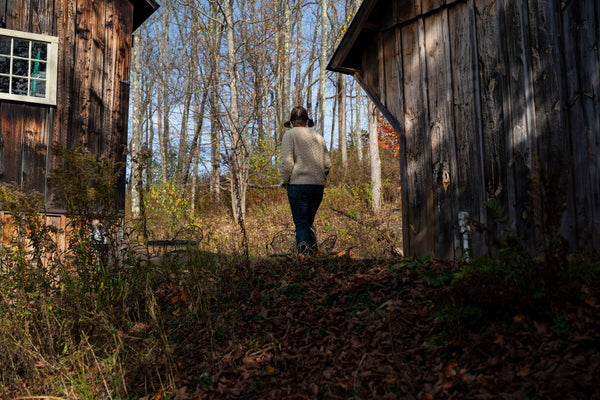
(387, 136)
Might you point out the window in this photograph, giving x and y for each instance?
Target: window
(28, 67)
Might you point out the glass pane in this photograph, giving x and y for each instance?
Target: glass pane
(21, 48)
(38, 88)
(19, 86)
(4, 45)
(20, 67)
(4, 84)
(38, 69)
(4, 65)
(39, 51)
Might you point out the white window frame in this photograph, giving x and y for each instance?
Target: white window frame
(51, 67)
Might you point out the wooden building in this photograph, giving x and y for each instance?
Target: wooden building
(64, 78)
(495, 101)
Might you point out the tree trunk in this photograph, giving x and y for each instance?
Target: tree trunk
(214, 85)
(341, 89)
(322, 64)
(374, 157)
(297, 96)
(359, 148)
(287, 61)
(237, 159)
(136, 129)
(162, 98)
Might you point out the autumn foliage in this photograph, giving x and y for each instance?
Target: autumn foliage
(388, 137)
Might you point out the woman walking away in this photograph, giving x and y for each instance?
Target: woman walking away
(304, 166)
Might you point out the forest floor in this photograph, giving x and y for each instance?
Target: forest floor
(344, 328)
(363, 322)
(235, 318)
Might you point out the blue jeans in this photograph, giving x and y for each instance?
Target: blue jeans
(304, 203)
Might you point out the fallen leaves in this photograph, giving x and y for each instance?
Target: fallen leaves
(312, 329)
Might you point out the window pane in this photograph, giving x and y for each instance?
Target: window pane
(4, 65)
(21, 48)
(39, 51)
(20, 67)
(38, 69)
(19, 86)
(38, 88)
(4, 45)
(4, 82)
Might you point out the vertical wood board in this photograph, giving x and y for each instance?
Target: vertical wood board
(17, 15)
(428, 6)
(34, 149)
(95, 133)
(491, 75)
(110, 57)
(82, 75)
(418, 152)
(42, 17)
(552, 143)
(395, 104)
(581, 75)
(11, 132)
(521, 119)
(442, 135)
(467, 117)
(409, 10)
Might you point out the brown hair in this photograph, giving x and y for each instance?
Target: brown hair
(299, 117)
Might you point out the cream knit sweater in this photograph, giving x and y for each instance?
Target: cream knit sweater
(304, 157)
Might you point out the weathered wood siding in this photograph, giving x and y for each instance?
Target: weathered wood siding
(495, 100)
(92, 89)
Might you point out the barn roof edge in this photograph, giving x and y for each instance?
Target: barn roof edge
(349, 38)
(142, 10)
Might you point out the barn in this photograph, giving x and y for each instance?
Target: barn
(497, 107)
(64, 78)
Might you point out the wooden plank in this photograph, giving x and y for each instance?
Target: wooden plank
(550, 120)
(95, 134)
(110, 55)
(120, 155)
(17, 15)
(124, 11)
(594, 135)
(3, 13)
(65, 30)
(370, 68)
(408, 10)
(491, 74)
(428, 6)
(467, 118)
(418, 185)
(582, 87)
(395, 104)
(82, 74)
(441, 126)
(42, 17)
(61, 121)
(35, 146)
(11, 132)
(520, 113)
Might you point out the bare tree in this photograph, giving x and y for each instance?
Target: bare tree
(163, 94)
(136, 128)
(374, 158)
(358, 100)
(341, 98)
(215, 35)
(238, 166)
(323, 31)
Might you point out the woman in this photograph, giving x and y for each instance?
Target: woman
(304, 167)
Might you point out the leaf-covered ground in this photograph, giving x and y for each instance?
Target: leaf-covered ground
(341, 328)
